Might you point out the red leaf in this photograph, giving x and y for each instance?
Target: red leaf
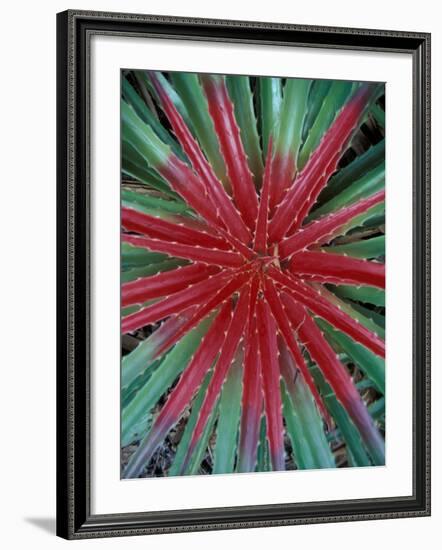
(323, 308)
(226, 291)
(188, 384)
(280, 315)
(227, 215)
(303, 211)
(338, 269)
(133, 220)
(317, 230)
(196, 253)
(270, 376)
(338, 378)
(283, 171)
(189, 186)
(237, 244)
(162, 284)
(175, 303)
(222, 113)
(233, 337)
(320, 166)
(260, 244)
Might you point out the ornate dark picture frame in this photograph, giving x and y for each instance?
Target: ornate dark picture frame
(74, 32)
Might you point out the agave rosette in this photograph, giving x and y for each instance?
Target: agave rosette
(253, 273)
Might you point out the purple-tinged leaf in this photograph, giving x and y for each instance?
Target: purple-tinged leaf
(251, 403)
(338, 378)
(278, 311)
(304, 424)
(232, 340)
(268, 349)
(188, 384)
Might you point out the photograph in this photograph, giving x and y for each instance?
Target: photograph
(244, 274)
(220, 278)
(252, 273)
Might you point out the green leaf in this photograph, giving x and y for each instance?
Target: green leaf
(377, 409)
(331, 105)
(136, 307)
(189, 89)
(353, 171)
(147, 117)
(133, 256)
(367, 248)
(172, 366)
(372, 365)
(135, 166)
(138, 430)
(139, 359)
(152, 269)
(377, 318)
(365, 186)
(171, 92)
(378, 114)
(263, 459)
(292, 116)
(154, 205)
(143, 423)
(317, 93)
(228, 420)
(364, 384)
(364, 220)
(305, 427)
(375, 219)
(142, 138)
(129, 391)
(357, 227)
(361, 316)
(241, 95)
(365, 294)
(270, 95)
(198, 453)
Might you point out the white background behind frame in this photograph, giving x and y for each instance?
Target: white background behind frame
(109, 494)
(27, 503)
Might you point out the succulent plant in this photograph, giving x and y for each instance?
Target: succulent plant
(253, 273)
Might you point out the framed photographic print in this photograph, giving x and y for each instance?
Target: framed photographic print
(243, 274)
